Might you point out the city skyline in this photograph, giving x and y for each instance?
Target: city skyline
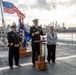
(45, 10)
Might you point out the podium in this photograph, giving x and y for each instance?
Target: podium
(41, 64)
(24, 53)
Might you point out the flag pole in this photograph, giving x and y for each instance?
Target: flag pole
(3, 22)
(2, 12)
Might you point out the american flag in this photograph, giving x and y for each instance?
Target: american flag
(20, 15)
(11, 9)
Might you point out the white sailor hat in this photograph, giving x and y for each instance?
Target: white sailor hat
(35, 20)
(13, 25)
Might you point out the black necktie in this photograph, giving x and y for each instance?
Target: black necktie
(53, 35)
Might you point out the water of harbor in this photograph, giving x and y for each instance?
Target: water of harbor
(67, 38)
(63, 39)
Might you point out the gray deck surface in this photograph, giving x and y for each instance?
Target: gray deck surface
(65, 63)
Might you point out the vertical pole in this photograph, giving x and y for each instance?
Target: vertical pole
(72, 38)
(44, 56)
(40, 48)
(2, 12)
(3, 23)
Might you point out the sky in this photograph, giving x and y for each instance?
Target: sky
(46, 11)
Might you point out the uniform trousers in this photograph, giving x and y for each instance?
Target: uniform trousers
(35, 51)
(13, 54)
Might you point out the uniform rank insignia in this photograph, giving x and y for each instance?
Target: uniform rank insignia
(13, 35)
(32, 34)
(33, 29)
(11, 44)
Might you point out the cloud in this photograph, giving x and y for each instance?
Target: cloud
(68, 3)
(12, 1)
(43, 10)
(34, 4)
(41, 4)
(45, 4)
(21, 1)
(23, 7)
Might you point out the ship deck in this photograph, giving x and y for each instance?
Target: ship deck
(65, 63)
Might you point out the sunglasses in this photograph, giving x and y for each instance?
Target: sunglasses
(36, 22)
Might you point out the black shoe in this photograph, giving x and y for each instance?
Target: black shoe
(11, 67)
(53, 61)
(48, 62)
(33, 65)
(18, 65)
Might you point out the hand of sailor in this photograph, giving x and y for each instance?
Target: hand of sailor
(16, 45)
(37, 32)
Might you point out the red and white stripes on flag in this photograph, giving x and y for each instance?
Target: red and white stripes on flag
(20, 15)
(11, 9)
